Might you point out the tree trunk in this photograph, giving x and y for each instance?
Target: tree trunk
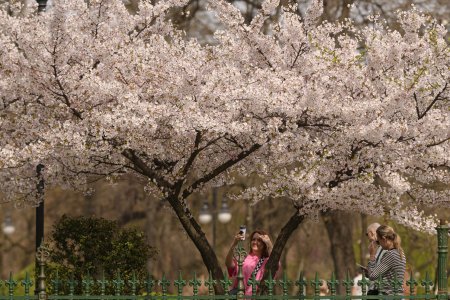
(200, 241)
(339, 228)
(278, 247)
(362, 245)
(345, 14)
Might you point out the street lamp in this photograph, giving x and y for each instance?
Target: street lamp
(206, 215)
(40, 206)
(39, 216)
(8, 225)
(224, 215)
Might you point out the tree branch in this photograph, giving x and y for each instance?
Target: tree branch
(438, 142)
(438, 97)
(146, 170)
(64, 95)
(282, 238)
(191, 159)
(198, 237)
(301, 50)
(226, 165)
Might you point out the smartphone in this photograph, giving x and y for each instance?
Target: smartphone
(362, 267)
(242, 231)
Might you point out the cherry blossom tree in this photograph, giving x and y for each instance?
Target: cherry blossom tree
(329, 116)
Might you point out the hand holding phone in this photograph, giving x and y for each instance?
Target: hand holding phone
(242, 231)
(362, 267)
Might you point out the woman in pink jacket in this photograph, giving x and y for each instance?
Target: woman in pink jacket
(260, 249)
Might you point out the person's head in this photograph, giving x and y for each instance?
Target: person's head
(371, 232)
(324, 288)
(388, 239)
(257, 246)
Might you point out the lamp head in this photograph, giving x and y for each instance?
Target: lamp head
(205, 215)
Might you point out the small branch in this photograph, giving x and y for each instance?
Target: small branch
(438, 143)
(437, 98)
(301, 50)
(403, 139)
(361, 145)
(124, 80)
(233, 140)
(191, 159)
(64, 95)
(6, 103)
(257, 48)
(410, 196)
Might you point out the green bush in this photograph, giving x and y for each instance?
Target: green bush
(82, 246)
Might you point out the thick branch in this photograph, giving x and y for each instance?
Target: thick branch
(223, 167)
(131, 155)
(198, 237)
(284, 235)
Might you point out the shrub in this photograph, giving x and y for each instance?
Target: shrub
(84, 246)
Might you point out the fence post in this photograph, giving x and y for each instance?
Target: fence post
(41, 257)
(442, 234)
(240, 256)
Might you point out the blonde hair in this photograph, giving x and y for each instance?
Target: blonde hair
(388, 233)
(373, 226)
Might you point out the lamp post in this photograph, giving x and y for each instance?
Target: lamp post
(39, 209)
(42, 4)
(206, 215)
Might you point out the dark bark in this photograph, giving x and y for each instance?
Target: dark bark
(339, 228)
(198, 237)
(284, 235)
(345, 14)
(363, 244)
(177, 197)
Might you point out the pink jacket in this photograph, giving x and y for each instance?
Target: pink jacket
(248, 266)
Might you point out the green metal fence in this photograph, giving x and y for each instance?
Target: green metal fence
(152, 289)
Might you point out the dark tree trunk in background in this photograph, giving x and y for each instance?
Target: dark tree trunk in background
(339, 227)
(363, 244)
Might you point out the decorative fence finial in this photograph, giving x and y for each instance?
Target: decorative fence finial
(226, 283)
(42, 255)
(239, 255)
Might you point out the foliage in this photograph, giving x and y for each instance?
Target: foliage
(82, 246)
(19, 277)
